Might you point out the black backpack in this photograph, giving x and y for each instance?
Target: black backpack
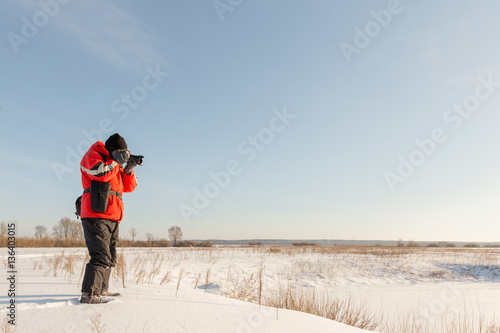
(78, 206)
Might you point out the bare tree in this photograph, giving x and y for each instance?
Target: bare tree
(3, 233)
(133, 233)
(175, 234)
(76, 231)
(68, 229)
(413, 244)
(40, 231)
(150, 238)
(61, 229)
(3, 230)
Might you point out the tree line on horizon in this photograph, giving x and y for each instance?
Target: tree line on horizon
(69, 233)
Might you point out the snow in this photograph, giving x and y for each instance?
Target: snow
(431, 284)
(157, 310)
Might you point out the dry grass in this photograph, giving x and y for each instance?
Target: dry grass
(140, 275)
(8, 328)
(284, 289)
(249, 286)
(380, 251)
(139, 264)
(207, 278)
(274, 249)
(346, 310)
(5, 264)
(239, 286)
(179, 278)
(152, 274)
(48, 242)
(95, 324)
(54, 263)
(68, 265)
(464, 322)
(261, 283)
(437, 274)
(166, 278)
(121, 268)
(409, 321)
(468, 322)
(59, 264)
(197, 279)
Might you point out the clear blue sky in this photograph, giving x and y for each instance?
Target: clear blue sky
(362, 81)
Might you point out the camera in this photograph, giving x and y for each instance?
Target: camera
(137, 159)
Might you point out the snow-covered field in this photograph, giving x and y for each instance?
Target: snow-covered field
(218, 290)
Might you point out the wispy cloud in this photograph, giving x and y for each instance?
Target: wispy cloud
(14, 160)
(25, 180)
(107, 32)
(17, 158)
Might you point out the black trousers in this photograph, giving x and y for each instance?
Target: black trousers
(101, 237)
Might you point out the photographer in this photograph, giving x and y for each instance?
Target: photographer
(104, 180)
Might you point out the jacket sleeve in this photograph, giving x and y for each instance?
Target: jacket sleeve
(102, 171)
(129, 181)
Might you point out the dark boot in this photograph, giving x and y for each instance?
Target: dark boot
(107, 293)
(87, 299)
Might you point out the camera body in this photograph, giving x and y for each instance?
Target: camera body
(137, 158)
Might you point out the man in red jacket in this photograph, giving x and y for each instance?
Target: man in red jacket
(104, 180)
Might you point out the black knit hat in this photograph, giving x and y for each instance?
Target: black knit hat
(115, 142)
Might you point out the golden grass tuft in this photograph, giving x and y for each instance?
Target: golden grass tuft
(95, 324)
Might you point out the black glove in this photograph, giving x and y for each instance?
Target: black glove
(132, 163)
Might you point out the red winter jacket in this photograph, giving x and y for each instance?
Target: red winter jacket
(97, 164)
